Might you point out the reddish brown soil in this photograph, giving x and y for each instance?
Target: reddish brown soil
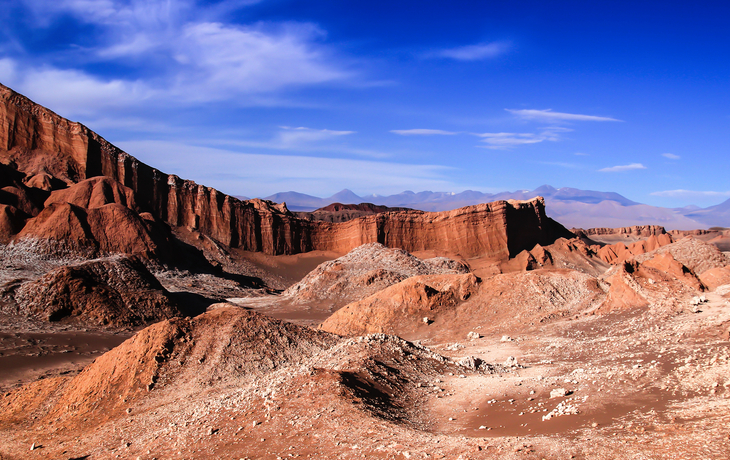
(645, 381)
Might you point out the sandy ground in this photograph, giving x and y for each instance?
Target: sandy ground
(32, 350)
(644, 383)
(636, 385)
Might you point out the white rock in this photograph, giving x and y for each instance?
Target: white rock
(559, 393)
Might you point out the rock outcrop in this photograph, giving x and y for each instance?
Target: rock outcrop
(619, 252)
(643, 231)
(363, 271)
(457, 304)
(665, 277)
(37, 141)
(12, 221)
(94, 193)
(227, 344)
(116, 292)
(109, 229)
(695, 254)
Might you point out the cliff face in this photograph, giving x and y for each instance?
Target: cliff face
(644, 231)
(496, 230)
(37, 142)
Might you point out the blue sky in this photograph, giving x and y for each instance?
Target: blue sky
(256, 97)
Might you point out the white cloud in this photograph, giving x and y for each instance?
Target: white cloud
(262, 174)
(472, 52)
(422, 132)
(690, 194)
(220, 60)
(186, 52)
(671, 156)
(292, 137)
(122, 14)
(300, 139)
(72, 92)
(549, 115)
(622, 168)
(581, 154)
(501, 141)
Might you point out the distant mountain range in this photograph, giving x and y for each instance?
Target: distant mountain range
(571, 207)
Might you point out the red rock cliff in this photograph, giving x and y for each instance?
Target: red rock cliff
(38, 142)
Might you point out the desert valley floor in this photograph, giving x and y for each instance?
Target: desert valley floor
(146, 316)
(529, 366)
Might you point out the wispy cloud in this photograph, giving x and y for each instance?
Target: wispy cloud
(299, 139)
(622, 168)
(187, 53)
(502, 141)
(264, 174)
(690, 194)
(671, 156)
(581, 154)
(422, 132)
(476, 52)
(296, 136)
(235, 59)
(73, 92)
(548, 115)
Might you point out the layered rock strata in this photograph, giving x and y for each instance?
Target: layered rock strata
(36, 142)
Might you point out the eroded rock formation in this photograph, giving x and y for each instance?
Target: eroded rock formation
(117, 291)
(452, 305)
(643, 231)
(363, 271)
(36, 141)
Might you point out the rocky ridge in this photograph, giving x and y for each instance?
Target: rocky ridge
(36, 141)
(116, 291)
(338, 212)
(445, 306)
(363, 271)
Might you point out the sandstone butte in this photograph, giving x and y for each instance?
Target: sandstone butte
(49, 149)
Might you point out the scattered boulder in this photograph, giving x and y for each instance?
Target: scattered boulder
(559, 393)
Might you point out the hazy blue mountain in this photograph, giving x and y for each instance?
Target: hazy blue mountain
(296, 201)
(572, 207)
(714, 216)
(345, 197)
